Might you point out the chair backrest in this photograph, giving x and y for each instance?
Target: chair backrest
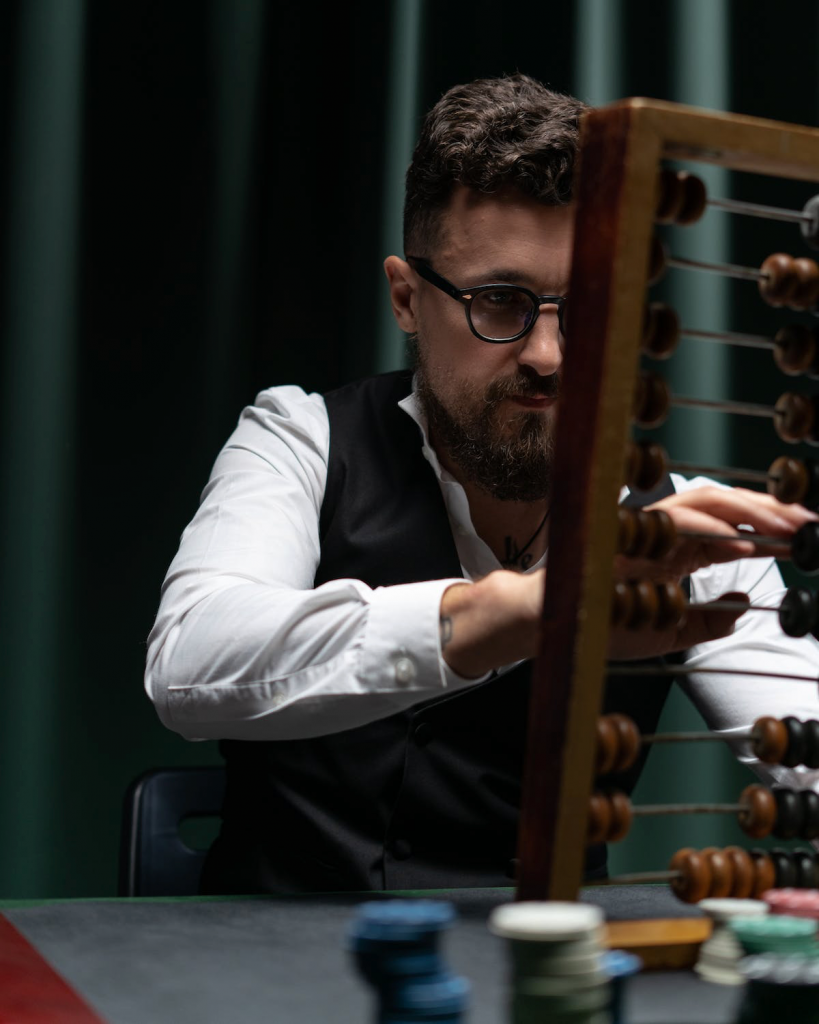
(154, 860)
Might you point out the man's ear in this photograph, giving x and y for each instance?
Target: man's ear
(403, 283)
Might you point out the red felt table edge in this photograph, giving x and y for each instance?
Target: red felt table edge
(31, 991)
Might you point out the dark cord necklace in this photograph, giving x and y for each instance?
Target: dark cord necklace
(519, 556)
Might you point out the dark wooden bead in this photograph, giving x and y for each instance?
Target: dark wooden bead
(797, 613)
(810, 228)
(769, 739)
(649, 533)
(695, 198)
(785, 876)
(805, 548)
(666, 533)
(807, 870)
(627, 531)
(780, 279)
(645, 534)
(764, 873)
(646, 465)
(795, 349)
(652, 400)
(661, 331)
(646, 605)
(789, 480)
(672, 605)
(628, 742)
(806, 292)
(809, 799)
(742, 867)
(606, 748)
(694, 881)
(621, 816)
(722, 872)
(789, 813)
(794, 417)
(657, 261)
(599, 818)
(622, 603)
(758, 815)
(795, 753)
(811, 727)
(670, 196)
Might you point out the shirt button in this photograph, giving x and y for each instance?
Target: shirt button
(404, 670)
(422, 734)
(401, 849)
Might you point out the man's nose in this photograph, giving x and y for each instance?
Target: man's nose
(542, 347)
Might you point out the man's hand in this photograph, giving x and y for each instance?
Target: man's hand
(717, 510)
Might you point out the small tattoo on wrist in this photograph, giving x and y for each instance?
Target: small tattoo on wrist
(446, 630)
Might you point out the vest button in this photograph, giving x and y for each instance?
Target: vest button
(422, 733)
(401, 849)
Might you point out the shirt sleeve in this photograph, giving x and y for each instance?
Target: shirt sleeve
(731, 701)
(244, 647)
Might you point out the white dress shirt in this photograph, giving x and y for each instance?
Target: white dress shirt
(244, 647)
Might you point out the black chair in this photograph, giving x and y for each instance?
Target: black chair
(154, 859)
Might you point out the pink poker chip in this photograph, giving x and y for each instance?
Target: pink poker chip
(796, 902)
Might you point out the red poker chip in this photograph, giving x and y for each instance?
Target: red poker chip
(797, 902)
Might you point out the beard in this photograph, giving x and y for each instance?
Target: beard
(508, 456)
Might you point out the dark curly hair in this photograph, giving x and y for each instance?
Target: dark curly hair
(487, 135)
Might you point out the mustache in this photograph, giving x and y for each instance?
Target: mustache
(526, 384)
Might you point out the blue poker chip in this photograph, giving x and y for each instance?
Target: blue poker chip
(423, 998)
(400, 920)
(383, 969)
(617, 963)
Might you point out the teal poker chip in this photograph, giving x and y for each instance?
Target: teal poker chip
(776, 933)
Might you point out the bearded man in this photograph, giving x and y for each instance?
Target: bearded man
(353, 609)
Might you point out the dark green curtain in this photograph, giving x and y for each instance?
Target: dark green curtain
(195, 204)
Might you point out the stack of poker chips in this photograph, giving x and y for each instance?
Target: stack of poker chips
(778, 934)
(793, 902)
(780, 987)
(557, 970)
(395, 947)
(720, 954)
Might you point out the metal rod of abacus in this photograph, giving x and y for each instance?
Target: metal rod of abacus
(726, 269)
(730, 338)
(659, 669)
(692, 737)
(758, 210)
(638, 878)
(735, 408)
(651, 810)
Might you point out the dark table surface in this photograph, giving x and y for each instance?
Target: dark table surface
(283, 960)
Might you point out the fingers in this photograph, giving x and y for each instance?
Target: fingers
(737, 506)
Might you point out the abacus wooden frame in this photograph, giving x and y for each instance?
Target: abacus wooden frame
(622, 148)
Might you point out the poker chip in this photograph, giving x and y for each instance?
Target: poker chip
(780, 985)
(776, 934)
(794, 902)
(546, 921)
(721, 952)
(619, 965)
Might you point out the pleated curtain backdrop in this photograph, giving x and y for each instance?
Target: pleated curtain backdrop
(195, 205)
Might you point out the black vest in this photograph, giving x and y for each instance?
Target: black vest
(427, 798)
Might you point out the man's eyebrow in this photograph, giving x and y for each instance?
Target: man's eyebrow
(508, 275)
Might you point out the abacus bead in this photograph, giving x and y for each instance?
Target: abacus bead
(806, 292)
(627, 530)
(670, 196)
(785, 876)
(810, 229)
(722, 875)
(780, 281)
(764, 873)
(621, 816)
(758, 816)
(809, 799)
(694, 199)
(599, 818)
(769, 739)
(797, 613)
(695, 883)
(793, 417)
(794, 349)
(661, 331)
(811, 727)
(652, 400)
(646, 534)
(789, 480)
(795, 753)
(646, 465)
(657, 261)
(628, 741)
(666, 534)
(672, 605)
(789, 813)
(805, 548)
(646, 605)
(743, 872)
(607, 744)
(807, 870)
(622, 603)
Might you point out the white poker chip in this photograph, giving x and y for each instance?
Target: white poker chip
(539, 921)
(725, 909)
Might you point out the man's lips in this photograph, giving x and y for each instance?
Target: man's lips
(535, 402)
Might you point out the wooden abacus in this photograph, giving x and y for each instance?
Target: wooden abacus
(622, 190)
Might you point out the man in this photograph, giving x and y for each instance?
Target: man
(352, 608)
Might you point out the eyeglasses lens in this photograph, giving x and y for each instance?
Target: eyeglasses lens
(502, 313)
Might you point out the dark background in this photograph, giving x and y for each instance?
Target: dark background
(194, 205)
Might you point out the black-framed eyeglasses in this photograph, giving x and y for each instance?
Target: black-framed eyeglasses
(496, 313)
